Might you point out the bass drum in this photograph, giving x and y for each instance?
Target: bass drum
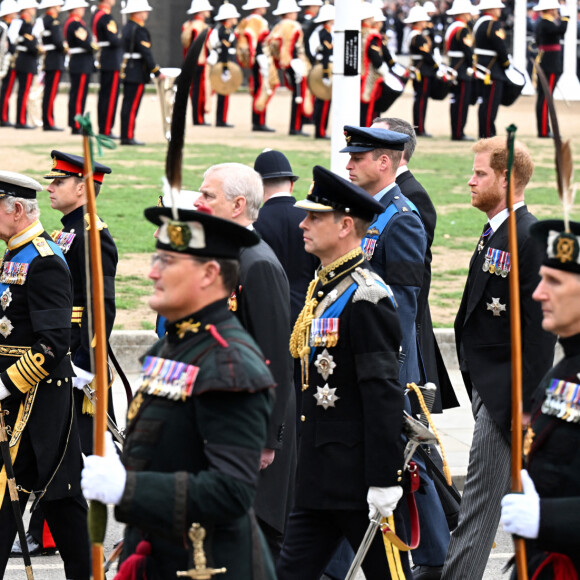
(315, 84)
(391, 89)
(513, 86)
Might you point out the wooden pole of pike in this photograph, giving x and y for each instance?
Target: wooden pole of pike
(516, 352)
(97, 510)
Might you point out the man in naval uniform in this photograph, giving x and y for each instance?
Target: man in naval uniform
(206, 384)
(68, 195)
(482, 338)
(347, 338)
(546, 514)
(36, 378)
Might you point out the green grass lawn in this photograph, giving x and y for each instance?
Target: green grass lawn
(443, 167)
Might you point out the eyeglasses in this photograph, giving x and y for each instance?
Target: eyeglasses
(164, 260)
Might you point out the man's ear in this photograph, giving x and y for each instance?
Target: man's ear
(239, 206)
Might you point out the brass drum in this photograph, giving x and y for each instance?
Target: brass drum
(232, 84)
(315, 84)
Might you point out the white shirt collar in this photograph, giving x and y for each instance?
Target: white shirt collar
(498, 219)
(401, 169)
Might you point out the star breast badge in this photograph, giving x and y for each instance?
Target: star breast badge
(325, 397)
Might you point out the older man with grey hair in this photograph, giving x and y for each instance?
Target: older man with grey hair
(36, 378)
(262, 302)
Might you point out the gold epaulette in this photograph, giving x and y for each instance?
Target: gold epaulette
(101, 225)
(42, 247)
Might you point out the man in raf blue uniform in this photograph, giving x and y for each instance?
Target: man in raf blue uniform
(396, 245)
(546, 514)
(347, 337)
(198, 422)
(36, 378)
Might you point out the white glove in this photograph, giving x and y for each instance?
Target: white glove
(226, 76)
(383, 499)
(262, 61)
(326, 81)
(104, 478)
(4, 392)
(82, 377)
(212, 58)
(298, 68)
(520, 512)
(564, 12)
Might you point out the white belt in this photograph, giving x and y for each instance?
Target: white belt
(77, 50)
(132, 55)
(485, 52)
(416, 57)
(104, 43)
(455, 53)
(49, 47)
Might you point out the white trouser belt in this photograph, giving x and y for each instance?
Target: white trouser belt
(485, 52)
(132, 55)
(77, 50)
(455, 54)
(103, 43)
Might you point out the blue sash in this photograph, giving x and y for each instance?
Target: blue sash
(26, 256)
(336, 308)
(375, 230)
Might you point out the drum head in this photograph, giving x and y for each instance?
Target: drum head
(513, 86)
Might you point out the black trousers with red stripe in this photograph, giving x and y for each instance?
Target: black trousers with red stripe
(24, 83)
(491, 100)
(421, 89)
(108, 100)
(459, 106)
(132, 95)
(197, 93)
(51, 82)
(298, 91)
(542, 105)
(6, 93)
(320, 117)
(79, 88)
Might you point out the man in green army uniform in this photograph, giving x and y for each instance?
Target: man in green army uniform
(198, 422)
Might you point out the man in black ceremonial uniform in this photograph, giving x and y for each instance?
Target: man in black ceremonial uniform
(81, 64)
(67, 193)
(492, 53)
(36, 377)
(546, 514)
(8, 21)
(138, 66)
(28, 49)
(54, 49)
(198, 422)
(550, 30)
(108, 38)
(347, 336)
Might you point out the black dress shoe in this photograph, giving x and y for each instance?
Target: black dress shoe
(462, 138)
(227, 125)
(548, 136)
(299, 133)
(427, 572)
(263, 128)
(204, 124)
(131, 142)
(6, 124)
(322, 137)
(424, 134)
(24, 126)
(34, 548)
(53, 128)
(74, 131)
(113, 136)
